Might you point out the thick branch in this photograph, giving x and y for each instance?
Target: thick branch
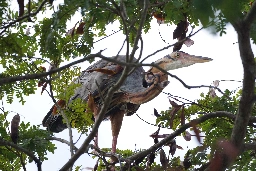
(251, 15)
(247, 97)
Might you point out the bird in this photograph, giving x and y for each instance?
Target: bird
(138, 88)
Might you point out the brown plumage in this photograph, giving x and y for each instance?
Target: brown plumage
(138, 88)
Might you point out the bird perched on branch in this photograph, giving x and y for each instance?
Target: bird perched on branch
(138, 88)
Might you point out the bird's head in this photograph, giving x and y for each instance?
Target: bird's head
(179, 59)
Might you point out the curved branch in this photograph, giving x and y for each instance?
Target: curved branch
(182, 129)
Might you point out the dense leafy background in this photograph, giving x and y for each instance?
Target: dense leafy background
(23, 50)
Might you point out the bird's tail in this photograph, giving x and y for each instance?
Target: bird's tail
(53, 120)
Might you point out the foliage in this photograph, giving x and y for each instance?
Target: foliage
(24, 50)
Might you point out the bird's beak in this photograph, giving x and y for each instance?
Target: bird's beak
(179, 60)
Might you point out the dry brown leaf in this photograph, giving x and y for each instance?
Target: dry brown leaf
(175, 109)
(43, 88)
(181, 30)
(163, 159)
(155, 134)
(15, 128)
(172, 146)
(160, 17)
(196, 130)
(80, 28)
(71, 32)
(179, 147)
(156, 113)
(188, 42)
(102, 70)
(216, 83)
(187, 136)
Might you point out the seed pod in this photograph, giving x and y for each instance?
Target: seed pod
(15, 128)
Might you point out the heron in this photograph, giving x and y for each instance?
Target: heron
(138, 88)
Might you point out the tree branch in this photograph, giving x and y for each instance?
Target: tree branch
(247, 97)
(30, 154)
(37, 76)
(251, 15)
(62, 141)
(23, 17)
(181, 130)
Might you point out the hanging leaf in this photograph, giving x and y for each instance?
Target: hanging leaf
(181, 30)
(163, 159)
(172, 146)
(175, 109)
(71, 32)
(188, 42)
(160, 17)
(80, 28)
(44, 86)
(212, 92)
(196, 130)
(155, 134)
(156, 113)
(179, 147)
(187, 136)
(15, 128)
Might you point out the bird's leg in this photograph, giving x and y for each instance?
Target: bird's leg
(96, 135)
(116, 123)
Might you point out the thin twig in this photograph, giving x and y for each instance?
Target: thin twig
(23, 17)
(62, 141)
